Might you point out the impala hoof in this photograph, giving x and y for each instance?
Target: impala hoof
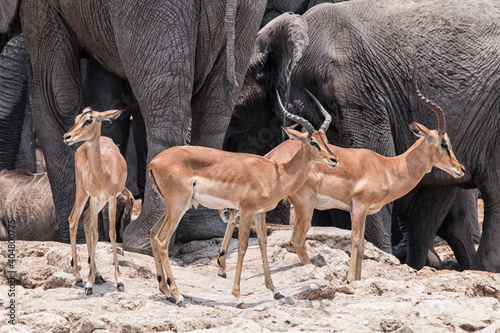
(224, 275)
(79, 282)
(181, 303)
(171, 299)
(278, 296)
(120, 287)
(88, 291)
(241, 305)
(99, 279)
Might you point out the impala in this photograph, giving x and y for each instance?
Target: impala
(361, 184)
(186, 176)
(100, 172)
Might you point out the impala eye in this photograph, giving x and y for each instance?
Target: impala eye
(444, 144)
(315, 144)
(88, 121)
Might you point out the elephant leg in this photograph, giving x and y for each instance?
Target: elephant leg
(56, 97)
(13, 97)
(424, 213)
(164, 100)
(459, 227)
(378, 228)
(488, 253)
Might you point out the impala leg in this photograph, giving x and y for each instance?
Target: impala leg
(91, 230)
(231, 225)
(112, 236)
(302, 202)
(162, 240)
(98, 279)
(80, 199)
(246, 219)
(260, 229)
(160, 274)
(358, 218)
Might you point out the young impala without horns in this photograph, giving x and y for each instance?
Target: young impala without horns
(186, 176)
(361, 184)
(100, 172)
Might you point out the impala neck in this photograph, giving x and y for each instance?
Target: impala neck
(415, 163)
(294, 172)
(94, 157)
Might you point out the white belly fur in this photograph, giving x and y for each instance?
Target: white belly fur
(325, 202)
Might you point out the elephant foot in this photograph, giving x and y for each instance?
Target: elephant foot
(201, 223)
(136, 234)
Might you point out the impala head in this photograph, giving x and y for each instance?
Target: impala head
(316, 141)
(88, 125)
(439, 141)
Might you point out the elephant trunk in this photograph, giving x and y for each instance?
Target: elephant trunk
(231, 7)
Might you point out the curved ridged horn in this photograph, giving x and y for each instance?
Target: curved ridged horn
(437, 110)
(328, 117)
(301, 121)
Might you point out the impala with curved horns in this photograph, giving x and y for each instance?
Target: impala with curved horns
(361, 184)
(186, 176)
(100, 173)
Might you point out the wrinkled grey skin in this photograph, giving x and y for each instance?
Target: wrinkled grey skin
(274, 8)
(27, 210)
(103, 91)
(174, 58)
(359, 62)
(14, 108)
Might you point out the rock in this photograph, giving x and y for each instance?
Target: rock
(89, 325)
(143, 271)
(45, 322)
(59, 280)
(390, 297)
(316, 290)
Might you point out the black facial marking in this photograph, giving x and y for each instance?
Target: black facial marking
(444, 145)
(168, 281)
(159, 278)
(88, 121)
(315, 145)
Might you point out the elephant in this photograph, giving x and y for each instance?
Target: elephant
(26, 207)
(358, 63)
(185, 63)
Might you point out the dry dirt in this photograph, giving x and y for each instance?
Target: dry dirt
(390, 298)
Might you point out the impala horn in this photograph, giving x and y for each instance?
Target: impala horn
(328, 117)
(437, 110)
(301, 121)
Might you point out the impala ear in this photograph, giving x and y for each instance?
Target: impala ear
(419, 129)
(295, 135)
(110, 115)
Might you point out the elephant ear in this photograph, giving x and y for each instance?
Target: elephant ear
(8, 11)
(281, 42)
